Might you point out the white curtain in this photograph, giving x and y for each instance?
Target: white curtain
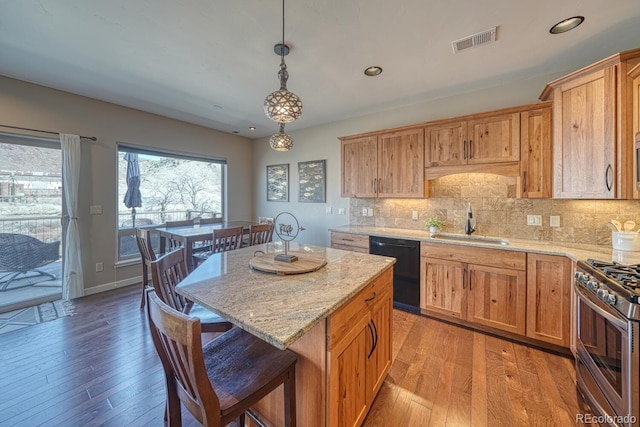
(73, 281)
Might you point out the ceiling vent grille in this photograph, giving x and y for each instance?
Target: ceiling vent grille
(474, 40)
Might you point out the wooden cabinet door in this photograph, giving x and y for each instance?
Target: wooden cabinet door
(494, 139)
(584, 140)
(401, 163)
(445, 144)
(442, 287)
(359, 167)
(548, 298)
(347, 398)
(379, 344)
(497, 298)
(535, 153)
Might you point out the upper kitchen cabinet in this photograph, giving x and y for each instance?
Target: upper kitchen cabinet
(635, 88)
(592, 132)
(535, 153)
(385, 164)
(487, 142)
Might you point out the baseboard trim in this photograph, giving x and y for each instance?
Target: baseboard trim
(113, 285)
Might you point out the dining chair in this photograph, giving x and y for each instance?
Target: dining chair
(169, 270)
(217, 383)
(260, 233)
(224, 239)
(147, 254)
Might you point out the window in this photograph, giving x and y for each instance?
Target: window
(173, 187)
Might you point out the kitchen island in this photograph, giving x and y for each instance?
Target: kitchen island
(337, 320)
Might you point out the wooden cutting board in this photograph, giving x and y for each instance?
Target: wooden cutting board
(306, 263)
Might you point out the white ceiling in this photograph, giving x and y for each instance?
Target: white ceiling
(211, 62)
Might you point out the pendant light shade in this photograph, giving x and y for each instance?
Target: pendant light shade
(281, 141)
(283, 106)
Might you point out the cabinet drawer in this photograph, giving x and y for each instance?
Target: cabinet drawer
(474, 255)
(347, 317)
(349, 241)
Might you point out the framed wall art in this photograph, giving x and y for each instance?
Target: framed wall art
(278, 183)
(312, 181)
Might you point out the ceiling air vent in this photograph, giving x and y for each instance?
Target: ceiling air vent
(474, 40)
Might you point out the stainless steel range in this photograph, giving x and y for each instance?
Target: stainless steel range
(607, 340)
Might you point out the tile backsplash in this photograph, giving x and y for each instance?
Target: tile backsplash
(497, 211)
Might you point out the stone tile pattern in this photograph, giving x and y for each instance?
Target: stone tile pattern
(498, 212)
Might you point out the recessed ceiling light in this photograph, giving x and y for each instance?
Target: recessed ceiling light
(235, 131)
(217, 107)
(566, 25)
(252, 128)
(373, 71)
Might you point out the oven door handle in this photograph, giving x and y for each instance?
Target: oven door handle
(621, 324)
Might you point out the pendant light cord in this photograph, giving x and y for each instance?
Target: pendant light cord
(282, 48)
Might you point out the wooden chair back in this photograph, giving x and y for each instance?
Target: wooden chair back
(147, 254)
(177, 339)
(227, 239)
(166, 272)
(260, 233)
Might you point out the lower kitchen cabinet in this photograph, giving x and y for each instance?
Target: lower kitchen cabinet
(549, 298)
(350, 242)
(480, 286)
(359, 340)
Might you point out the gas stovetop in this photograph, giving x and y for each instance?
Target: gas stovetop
(617, 285)
(627, 275)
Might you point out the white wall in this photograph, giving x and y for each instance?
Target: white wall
(322, 142)
(32, 106)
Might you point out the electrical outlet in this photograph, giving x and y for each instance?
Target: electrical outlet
(329, 210)
(342, 211)
(364, 211)
(99, 267)
(534, 219)
(95, 210)
(414, 215)
(370, 211)
(554, 221)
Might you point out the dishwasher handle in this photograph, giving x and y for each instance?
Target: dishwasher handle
(394, 245)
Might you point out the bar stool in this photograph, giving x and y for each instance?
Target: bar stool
(220, 382)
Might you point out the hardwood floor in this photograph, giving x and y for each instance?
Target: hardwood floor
(99, 367)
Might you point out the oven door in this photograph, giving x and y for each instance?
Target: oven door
(602, 344)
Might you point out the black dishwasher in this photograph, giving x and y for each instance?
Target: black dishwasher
(406, 271)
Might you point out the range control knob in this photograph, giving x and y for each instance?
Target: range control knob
(605, 295)
(582, 277)
(611, 298)
(593, 285)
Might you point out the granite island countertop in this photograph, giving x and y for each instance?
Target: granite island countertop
(574, 251)
(279, 308)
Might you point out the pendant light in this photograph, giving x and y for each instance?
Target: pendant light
(283, 106)
(281, 141)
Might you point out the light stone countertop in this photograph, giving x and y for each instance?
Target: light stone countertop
(279, 308)
(575, 251)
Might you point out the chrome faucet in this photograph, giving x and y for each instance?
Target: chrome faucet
(470, 225)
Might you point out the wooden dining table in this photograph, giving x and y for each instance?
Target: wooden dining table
(187, 235)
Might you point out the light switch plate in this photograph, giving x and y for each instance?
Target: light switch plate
(370, 211)
(554, 221)
(342, 211)
(534, 219)
(95, 210)
(329, 210)
(364, 211)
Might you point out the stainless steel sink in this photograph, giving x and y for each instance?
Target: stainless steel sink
(465, 238)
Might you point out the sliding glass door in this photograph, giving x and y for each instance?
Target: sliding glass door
(31, 226)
